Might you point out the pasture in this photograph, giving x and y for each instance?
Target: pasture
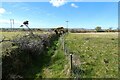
(97, 52)
(14, 35)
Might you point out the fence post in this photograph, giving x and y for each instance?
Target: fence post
(71, 63)
(63, 44)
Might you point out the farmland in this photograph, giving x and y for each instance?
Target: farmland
(97, 53)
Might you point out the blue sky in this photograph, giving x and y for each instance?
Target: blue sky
(52, 14)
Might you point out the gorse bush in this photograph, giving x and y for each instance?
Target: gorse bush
(25, 52)
(27, 49)
(33, 44)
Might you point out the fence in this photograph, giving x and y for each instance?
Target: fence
(73, 59)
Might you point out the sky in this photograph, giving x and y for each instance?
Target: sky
(54, 14)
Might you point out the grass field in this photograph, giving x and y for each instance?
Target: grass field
(11, 35)
(97, 52)
(51, 70)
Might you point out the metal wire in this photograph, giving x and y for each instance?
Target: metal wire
(76, 71)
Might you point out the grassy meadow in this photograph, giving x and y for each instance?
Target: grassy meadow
(97, 52)
(11, 35)
(14, 35)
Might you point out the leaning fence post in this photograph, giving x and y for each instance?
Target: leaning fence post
(71, 63)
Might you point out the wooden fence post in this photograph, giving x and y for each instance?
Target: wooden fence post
(71, 63)
(63, 44)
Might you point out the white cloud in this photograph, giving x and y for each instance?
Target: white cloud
(57, 3)
(2, 10)
(73, 5)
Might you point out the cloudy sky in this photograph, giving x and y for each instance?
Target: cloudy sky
(55, 13)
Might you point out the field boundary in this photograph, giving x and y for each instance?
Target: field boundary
(73, 59)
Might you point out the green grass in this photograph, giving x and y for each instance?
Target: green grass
(51, 65)
(54, 64)
(93, 51)
(58, 67)
(11, 35)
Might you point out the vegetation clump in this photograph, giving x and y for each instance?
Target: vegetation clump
(27, 51)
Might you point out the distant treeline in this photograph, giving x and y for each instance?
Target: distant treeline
(51, 29)
(22, 29)
(86, 31)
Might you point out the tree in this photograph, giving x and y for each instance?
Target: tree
(26, 24)
(98, 29)
(110, 29)
(59, 30)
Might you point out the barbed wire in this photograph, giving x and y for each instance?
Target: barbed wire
(76, 70)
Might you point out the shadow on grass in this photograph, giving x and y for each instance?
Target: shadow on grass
(80, 73)
(41, 61)
(24, 64)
